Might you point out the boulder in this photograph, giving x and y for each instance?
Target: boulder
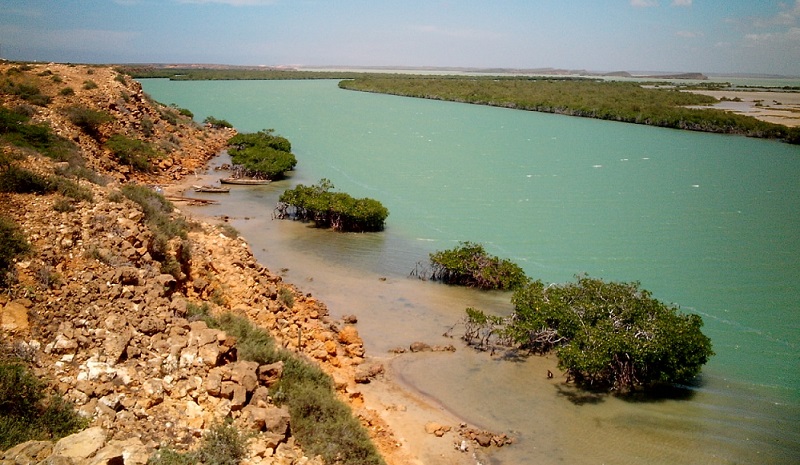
(130, 451)
(81, 446)
(270, 374)
(30, 452)
(244, 373)
(349, 335)
(14, 318)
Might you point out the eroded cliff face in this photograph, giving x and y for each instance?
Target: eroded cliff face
(94, 311)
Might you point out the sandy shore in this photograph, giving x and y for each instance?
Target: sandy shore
(772, 106)
(395, 414)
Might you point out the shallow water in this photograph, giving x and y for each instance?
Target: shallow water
(709, 222)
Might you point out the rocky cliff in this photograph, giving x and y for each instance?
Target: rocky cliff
(94, 310)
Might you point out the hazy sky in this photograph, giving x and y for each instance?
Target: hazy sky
(711, 36)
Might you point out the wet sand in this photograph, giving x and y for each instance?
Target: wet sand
(404, 410)
(772, 106)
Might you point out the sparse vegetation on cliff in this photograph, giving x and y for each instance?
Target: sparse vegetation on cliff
(89, 276)
(13, 244)
(27, 412)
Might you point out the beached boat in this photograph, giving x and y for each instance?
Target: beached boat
(245, 181)
(207, 188)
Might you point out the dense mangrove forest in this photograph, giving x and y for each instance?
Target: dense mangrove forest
(661, 104)
(630, 102)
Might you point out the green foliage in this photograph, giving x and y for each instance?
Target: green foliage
(610, 100)
(13, 244)
(27, 412)
(66, 91)
(72, 189)
(87, 119)
(228, 230)
(89, 84)
(469, 265)
(217, 123)
(133, 152)
(321, 423)
(165, 226)
(222, 445)
(609, 335)
(15, 129)
(262, 154)
(286, 297)
(26, 90)
(182, 111)
(22, 181)
(480, 327)
(336, 210)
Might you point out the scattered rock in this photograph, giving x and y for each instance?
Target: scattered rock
(419, 347)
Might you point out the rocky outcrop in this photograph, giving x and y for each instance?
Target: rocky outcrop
(114, 334)
(93, 313)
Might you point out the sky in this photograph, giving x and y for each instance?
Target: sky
(708, 36)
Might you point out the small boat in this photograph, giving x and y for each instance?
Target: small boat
(245, 181)
(207, 188)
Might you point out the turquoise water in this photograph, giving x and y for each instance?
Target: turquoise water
(711, 223)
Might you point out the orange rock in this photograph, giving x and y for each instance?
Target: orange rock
(349, 335)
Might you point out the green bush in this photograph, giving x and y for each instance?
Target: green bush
(322, 424)
(133, 152)
(87, 119)
(609, 335)
(185, 112)
(28, 413)
(15, 129)
(66, 91)
(158, 214)
(262, 154)
(286, 297)
(72, 189)
(222, 445)
(228, 230)
(23, 181)
(336, 210)
(470, 265)
(89, 84)
(217, 123)
(27, 91)
(13, 244)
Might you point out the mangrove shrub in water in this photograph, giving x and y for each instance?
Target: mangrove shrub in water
(470, 265)
(262, 154)
(606, 335)
(336, 210)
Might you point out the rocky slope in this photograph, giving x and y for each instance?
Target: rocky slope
(95, 313)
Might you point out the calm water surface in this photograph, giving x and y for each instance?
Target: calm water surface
(711, 223)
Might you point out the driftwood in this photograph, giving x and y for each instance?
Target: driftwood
(178, 198)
